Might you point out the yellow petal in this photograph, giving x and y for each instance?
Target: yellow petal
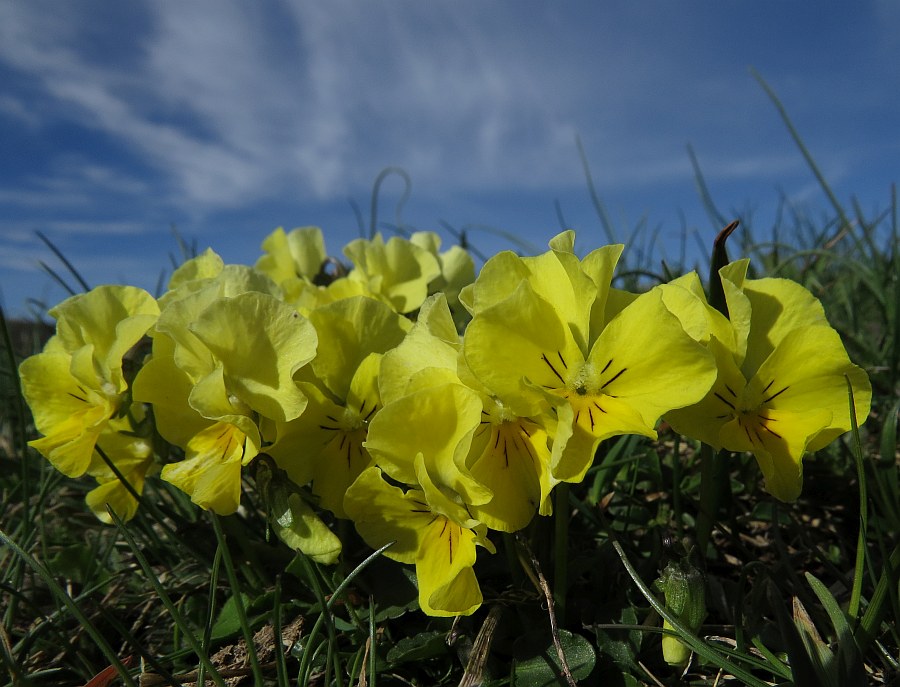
(778, 307)
(70, 415)
(353, 328)
(110, 319)
(521, 339)
(384, 513)
(645, 358)
(437, 422)
(513, 462)
(447, 583)
(211, 472)
(261, 342)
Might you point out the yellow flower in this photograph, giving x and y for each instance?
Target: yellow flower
(397, 271)
(77, 383)
(439, 538)
(781, 389)
(550, 332)
(223, 361)
(324, 445)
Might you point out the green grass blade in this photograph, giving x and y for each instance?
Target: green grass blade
(715, 217)
(835, 203)
(61, 596)
(180, 622)
(599, 207)
(211, 612)
(277, 629)
(306, 659)
(62, 258)
(696, 644)
(230, 572)
(856, 591)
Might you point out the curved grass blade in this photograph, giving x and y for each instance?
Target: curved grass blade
(73, 608)
(238, 602)
(696, 644)
(62, 258)
(179, 620)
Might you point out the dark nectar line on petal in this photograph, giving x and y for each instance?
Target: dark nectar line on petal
(774, 434)
(730, 391)
(606, 367)
(746, 430)
(776, 394)
(614, 378)
(449, 539)
(77, 398)
(724, 400)
(561, 359)
(550, 365)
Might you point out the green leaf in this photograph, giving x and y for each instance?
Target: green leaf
(228, 622)
(418, 647)
(536, 662)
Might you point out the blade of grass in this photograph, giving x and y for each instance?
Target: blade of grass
(62, 597)
(372, 636)
(832, 198)
(230, 572)
(306, 659)
(180, 622)
(697, 645)
(376, 191)
(856, 592)
(602, 214)
(211, 613)
(717, 218)
(325, 614)
(280, 662)
(62, 258)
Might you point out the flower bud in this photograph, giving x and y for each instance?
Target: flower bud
(684, 588)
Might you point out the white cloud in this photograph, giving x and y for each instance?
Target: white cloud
(238, 102)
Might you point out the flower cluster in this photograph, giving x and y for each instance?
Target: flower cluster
(426, 405)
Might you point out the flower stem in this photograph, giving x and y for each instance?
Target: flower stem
(714, 486)
(561, 549)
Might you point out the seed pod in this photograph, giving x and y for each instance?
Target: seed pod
(684, 588)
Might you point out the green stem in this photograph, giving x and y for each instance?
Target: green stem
(561, 550)
(708, 498)
(676, 487)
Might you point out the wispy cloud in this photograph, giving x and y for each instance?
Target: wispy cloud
(234, 103)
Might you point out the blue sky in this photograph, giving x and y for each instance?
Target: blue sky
(227, 119)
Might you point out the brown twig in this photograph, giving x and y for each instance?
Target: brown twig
(548, 596)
